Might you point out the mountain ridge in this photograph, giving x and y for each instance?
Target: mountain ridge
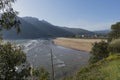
(32, 28)
(106, 31)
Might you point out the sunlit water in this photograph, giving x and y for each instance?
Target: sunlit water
(65, 60)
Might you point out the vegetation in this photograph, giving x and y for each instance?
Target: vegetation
(99, 51)
(107, 69)
(115, 33)
(11, 56)
(103, 70)
(41, 73)
(104, 60)
(12, 59)
(114, 46)
(102, 49)
(8, 18)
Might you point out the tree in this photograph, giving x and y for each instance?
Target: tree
(8, 18)
(115, 33)
(99, 51)
(11, 57)
(114, 46)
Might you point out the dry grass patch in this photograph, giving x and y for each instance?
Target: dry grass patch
(79, 44)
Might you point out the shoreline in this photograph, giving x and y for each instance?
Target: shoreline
(72, 48)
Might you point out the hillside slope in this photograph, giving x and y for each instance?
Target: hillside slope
(108, 69)
(104, 32)
(48, 28)
(79, 31)
(32, 28)
(27, 31)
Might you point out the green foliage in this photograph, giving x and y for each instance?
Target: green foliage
(115, 33)
(107, 69)
(113, 56)
(8, 17)
(11, 56)
(99, 51)
(114, 46)
(41, 73)
(68, 78)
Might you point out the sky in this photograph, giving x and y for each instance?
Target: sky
(86, 14)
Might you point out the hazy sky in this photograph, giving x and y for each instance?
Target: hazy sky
(86, 14)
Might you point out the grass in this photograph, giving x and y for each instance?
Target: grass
(78, 44)
(107, 69)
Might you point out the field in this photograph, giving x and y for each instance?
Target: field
(78, 44)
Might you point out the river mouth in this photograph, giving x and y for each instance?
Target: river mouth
(65, 60)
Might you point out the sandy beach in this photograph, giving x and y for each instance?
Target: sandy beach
(78, 44)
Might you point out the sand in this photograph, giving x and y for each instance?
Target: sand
(78, 44)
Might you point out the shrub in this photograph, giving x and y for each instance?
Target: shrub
(41, 73)
(99, 51)
(114, 46)
(11, 57)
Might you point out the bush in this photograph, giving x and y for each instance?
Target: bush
(99, 51)
(41, 73)
(114, 46)
(11, 57)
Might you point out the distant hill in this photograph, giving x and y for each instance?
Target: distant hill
(32, 28)
(102, 31)
(79, 31)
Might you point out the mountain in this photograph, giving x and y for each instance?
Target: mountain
(32, 28)
(48, 28)
(78, 31)
(102, 31)
(27, 31)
